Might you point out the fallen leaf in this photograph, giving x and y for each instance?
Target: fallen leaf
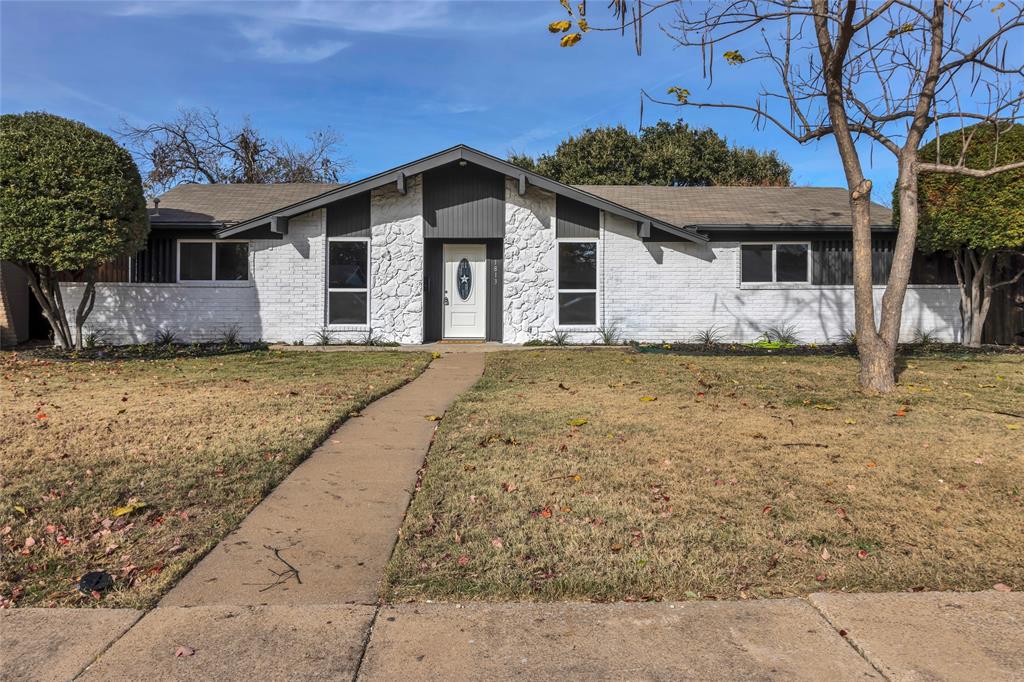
(183, 651)
(862, 554)
(432, 418)
(546, 512)
(128, 508)
(648, 398)
(510, 487)
(767, 509)
(821, 577)
(902, 412)
(30, 541)
(1002, 587)
(20, 509)
(579, 421)
(1013, 427)
(871, 465)
(497, 543)
(463, 560)
(825, 554)
(616, 547)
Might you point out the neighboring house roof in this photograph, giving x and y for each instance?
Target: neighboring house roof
(741, 207)
(459, 153)
(220, 204)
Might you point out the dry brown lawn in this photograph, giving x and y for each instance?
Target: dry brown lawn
(199, 442)
(606, 476)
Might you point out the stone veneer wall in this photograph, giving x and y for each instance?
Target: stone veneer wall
(529, 281)
(396, 253)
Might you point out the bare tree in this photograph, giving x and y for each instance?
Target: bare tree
(196, 147)
(882, 72)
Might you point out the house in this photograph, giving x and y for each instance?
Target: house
(463, 245)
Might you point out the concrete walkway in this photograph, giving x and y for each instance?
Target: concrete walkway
(324, 535)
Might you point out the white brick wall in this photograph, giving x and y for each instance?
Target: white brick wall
(134, 313)
(670, 291)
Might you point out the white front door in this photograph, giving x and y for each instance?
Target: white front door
(465, 291)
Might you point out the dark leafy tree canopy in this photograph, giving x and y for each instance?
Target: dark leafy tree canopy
(959, 211)
(70, 197)
(663, 154)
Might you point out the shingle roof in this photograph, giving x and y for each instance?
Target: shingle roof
(826, 207)
(740, 206)
(230, 203)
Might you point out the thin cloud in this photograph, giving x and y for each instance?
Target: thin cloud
(269, 46)
(269, 27)
(374, 17)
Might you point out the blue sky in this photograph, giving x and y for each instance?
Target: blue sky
(397, 80)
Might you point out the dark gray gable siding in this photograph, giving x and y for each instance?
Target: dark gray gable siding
(575, 220)
(349, 217)
(463, 202)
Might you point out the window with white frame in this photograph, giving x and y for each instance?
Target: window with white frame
(777, 262)
(577, 282)
(348, 276)
(208, 260)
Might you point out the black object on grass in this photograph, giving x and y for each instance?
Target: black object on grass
(95, 581)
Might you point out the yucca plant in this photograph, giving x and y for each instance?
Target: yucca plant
(609, 334)
(923, 337)
(710, 337)
(165, 337)
(230, 336)
(322, 336)
(560, 337)
(783, 334)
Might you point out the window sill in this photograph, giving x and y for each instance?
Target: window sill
(578, 327)
(751, 286)
(348, 327)
(227, 283)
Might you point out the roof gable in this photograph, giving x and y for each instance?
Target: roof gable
(459, 153)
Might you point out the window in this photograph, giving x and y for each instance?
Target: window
(348, 267)
(775, 263)
(577, 283)
(208, 261)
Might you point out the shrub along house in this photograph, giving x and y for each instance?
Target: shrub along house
(462, 245)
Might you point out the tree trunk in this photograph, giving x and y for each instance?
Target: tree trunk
(85, 305)
(877, 366)
(977, 290)
(45, 287)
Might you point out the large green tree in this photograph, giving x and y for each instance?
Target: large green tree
(70, 200)
(663, 154)
(977, 220)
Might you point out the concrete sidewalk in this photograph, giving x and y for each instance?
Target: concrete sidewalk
(828, 636)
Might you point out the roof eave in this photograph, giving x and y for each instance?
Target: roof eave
(458, 153)
(781, 227)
